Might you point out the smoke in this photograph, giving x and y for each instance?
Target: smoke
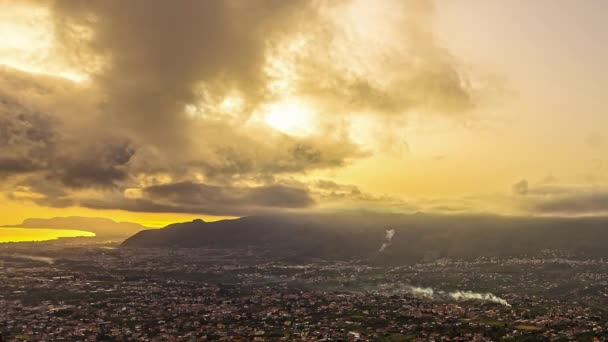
(485, 297)
(429, 293)
(425, 292)
(47, 260)
(389, 234)
(388, 237)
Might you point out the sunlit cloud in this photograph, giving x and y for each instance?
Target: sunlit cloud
(27, 42)
(290, 116)
(105, 104)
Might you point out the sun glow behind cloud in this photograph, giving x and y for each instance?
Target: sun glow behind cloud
(308, 84)
(357, 89)
(290, 116)
(27, 42)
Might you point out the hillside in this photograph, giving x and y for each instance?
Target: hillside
(416, 237)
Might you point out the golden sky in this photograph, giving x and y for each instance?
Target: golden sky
(163, 111)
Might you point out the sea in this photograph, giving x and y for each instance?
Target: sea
(15, 234)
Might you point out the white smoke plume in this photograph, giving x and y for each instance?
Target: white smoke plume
(458, 295)
(388, 237)
(425, 292)
(485, 297)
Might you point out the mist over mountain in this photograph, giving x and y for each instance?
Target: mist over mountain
(387, 237)
(102, 227)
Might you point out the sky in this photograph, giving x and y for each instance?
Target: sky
(163, 111)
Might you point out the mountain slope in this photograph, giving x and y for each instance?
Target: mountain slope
(361, 236)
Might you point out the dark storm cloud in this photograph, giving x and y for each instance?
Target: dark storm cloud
(43, 146)
(51, 156)
(27, 140)
(198, 198)
(192, 194)
(102, 165)
(161, 55)
(157, 57)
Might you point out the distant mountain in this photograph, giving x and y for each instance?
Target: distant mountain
(416, 237)
(102, 227)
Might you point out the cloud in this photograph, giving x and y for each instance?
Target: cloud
(151, 119)
(194, 54)
(157, 57)
(336, 189)
(590, 202)
(198, 198)
(39, 138)
(562, 199)
(101, 165)
(26, 140)
(192, 194)
(521, 187)
(279, 195)
(28, 135)
(405, 68)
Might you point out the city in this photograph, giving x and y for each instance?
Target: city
(75, 291)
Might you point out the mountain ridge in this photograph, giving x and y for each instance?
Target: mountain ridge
(102, 227)
(416, 237)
